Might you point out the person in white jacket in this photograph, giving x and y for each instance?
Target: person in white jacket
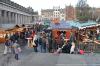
(35, 42)
(72, 48)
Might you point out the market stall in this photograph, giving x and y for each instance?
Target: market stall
(60, 27)
(2, 35)
(86, 32)
(9, 32)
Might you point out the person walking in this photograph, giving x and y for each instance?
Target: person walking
(17, 50)
(7, 46)
(72, 48)
(35, 42)
(40, 43)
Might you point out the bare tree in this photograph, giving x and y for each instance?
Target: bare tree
(83, 10)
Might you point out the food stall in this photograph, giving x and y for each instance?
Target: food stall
(8, 32)
(2, 35)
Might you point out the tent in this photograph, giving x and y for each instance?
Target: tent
(63, 25)
(59, 27)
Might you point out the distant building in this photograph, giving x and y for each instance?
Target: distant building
(55, 13)
(70, 13)
(47, 14)
(35, 16)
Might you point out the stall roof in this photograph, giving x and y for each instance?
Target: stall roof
(61, 25)
(81, 25)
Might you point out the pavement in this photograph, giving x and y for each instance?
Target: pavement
(29, 58)
(49, 59)
(1, 48)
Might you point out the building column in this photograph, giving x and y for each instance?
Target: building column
(13, 18)
(16, 18)
(0, 12)
(0, 18)
(9, 17)
(20, 19)
(26, 20)
(23, 19)
(5, 17)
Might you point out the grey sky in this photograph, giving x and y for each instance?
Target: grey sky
(37, 5)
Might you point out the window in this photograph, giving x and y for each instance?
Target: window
(62, 15)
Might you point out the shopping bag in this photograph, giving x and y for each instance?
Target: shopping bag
(19, 49)
(81, 52)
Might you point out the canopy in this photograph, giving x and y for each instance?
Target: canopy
(61, 25)
(82, 25)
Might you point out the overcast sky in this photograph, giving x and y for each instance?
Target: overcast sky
(37, 5)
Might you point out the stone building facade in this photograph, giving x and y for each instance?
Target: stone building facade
(13, 13)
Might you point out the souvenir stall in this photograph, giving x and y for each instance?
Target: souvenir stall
(86, 32)
(61, 27)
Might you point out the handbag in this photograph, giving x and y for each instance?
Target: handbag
(19, 49)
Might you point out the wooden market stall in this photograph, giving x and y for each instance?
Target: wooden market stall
(85, 30)
(8, 32)
(2, 35)
(59, 27)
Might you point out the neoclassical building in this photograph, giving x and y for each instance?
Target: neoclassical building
(13, 13)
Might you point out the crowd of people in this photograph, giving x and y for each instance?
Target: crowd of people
(41, 42)
(44, 42)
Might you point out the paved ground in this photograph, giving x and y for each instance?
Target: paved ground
(48, 59)
(1, 48)
(29, 58)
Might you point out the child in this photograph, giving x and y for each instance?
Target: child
(17, 49)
